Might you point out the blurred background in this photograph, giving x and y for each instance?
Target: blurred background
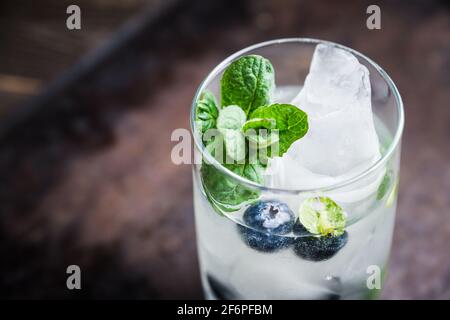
(86, 117)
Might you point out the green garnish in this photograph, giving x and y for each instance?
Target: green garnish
(246, 122)
(385, 185)
(229, 123)
(259, 123)
(393, 195)
(322, 216)
(262, 138)
(206, 112)
(291, 123)
(225, 190)
(248, 82)
(261, 133)
(231, 117)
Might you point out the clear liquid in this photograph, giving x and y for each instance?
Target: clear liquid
(232, 270)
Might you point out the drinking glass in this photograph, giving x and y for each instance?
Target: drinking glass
(232, 269)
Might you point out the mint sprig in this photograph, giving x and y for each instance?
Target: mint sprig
(206, 112)
(291, 123)
(231, 117)
(226, 191)
(385, 184)
(393, 194)
(248, 82)
(259, 123)
(229, 123)
(261, 133)
(246, 119)
(223, 192)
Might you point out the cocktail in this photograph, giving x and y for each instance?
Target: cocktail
(295, 189)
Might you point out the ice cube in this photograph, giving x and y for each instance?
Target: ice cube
(285, 94)
(286, 173)
(337, 98)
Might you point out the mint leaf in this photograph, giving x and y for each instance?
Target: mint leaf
(229, 123)
(216, 148)
(234, 145)
(246, 88)
(291, 122)
(206, 112)
(259, 123)
(392, 195)
(248, 82)
(322, 216)
(262, 138)
(224, 190)
(231, 117)
(219, 208)
(258, 132)
(385, 184)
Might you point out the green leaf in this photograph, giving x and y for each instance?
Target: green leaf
(234, 144)
(216, 148)
(229, 123)
(262, 138)
(231, 117)
(206, 112)
(385, 185)
(259, 132)
(392, 195)
(248, 82)
(291, 123)
(259, 123)
(219, 208)
(224, 190)
(322, 216)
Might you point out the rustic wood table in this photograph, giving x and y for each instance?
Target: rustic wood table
(85, 169)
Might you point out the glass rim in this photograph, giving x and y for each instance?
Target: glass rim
(338, 185)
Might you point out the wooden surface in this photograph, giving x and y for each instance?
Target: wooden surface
(87, 179)
(37, 47)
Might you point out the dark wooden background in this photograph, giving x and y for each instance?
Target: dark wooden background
(85, 169)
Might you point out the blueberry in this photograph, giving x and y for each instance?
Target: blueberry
(219, 290)
(271, 216)
(266, 219)
(315, 248)
(299, 229)
(262, 241)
